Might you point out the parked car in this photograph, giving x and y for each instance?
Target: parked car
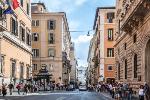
(82, 88)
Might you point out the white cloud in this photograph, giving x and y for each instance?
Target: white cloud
(82, 39)
(80, 2)
(62, 5)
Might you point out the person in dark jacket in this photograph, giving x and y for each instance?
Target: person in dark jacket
(147, 91)
(11, 87)
(4, 90)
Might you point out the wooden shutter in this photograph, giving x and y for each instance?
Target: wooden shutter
(48, 25)
(16, 28)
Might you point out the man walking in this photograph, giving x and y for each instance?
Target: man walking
(147, 91)
(11, 87)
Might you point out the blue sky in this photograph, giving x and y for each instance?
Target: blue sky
(80, 15)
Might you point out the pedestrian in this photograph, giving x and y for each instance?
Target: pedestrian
(141, 93)
(18, 88)
(147, 91)
(110, 89)
(11, 87)
(25, 89)
(130, 92)
(4, 90)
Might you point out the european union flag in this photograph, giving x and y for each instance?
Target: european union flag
(8, 11)
(8, 8)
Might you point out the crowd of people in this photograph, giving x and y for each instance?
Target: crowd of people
(122, 91)
(26, 88)
(20, 87)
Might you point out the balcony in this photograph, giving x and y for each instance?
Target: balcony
(3, 25)
(134, 14)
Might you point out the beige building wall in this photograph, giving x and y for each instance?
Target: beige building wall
(13, 49)
(62, 41)
(101, 26)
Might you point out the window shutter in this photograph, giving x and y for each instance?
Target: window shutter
(11, 25)
(20, 28)
(54, 24)
(48, 24)
(16, 28)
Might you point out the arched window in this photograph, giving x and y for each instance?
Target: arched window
(135, 66)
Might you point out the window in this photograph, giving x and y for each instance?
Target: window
(118, 50)
(21, 72)
(51, 24)
(126, 69)
(110, 68)
(51, 38)
(14, 26)
(28, 8)
(21, 2)
(110, 17)
(35, 36)
(135, 66)
(51, 52)
(110, 34)
(34, 66)
(27, 72)
(28, 39)
(125, 46)
(35, 22)
(110, 52)
(13, 69)
(134, 38)
(22, 33)
(118, 71)
(2, 64)
(35, 52)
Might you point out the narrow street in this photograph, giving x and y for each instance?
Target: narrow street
(73, 95)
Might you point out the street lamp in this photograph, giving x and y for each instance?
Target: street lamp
(89, 32)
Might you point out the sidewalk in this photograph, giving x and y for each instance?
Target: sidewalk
(134, 97)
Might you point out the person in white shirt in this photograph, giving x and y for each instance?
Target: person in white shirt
(141, 93)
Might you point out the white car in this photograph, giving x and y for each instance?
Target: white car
(82, 88)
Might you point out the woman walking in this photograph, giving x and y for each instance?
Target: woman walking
(141, 93)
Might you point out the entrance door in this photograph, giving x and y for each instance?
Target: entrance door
(147, 63)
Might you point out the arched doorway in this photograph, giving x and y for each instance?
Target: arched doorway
(147, 62)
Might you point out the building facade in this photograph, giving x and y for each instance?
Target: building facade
(51, 43)
(104, 27)
(15, 44)
(133, 41)
(73, 62)
(91, 68)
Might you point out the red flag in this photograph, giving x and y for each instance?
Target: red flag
(15, 4)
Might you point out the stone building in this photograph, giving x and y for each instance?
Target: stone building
(91, 69)
(73, 62)
(104, 60)
(133, 41)
(15, 44)
(51, 43)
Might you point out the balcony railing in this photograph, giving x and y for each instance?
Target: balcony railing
(129, 12)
